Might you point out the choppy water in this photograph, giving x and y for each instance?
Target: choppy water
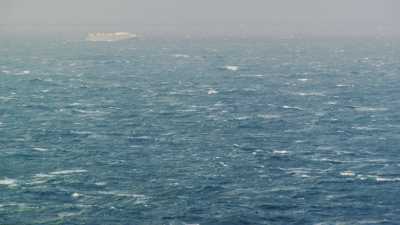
(200, 132)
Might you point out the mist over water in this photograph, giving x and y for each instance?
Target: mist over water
(180, 18)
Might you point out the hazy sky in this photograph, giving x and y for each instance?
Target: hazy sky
(205, 17)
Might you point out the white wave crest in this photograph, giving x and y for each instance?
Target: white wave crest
(310, 94)
(8, 182)
(370, 109)
(348, 173)
(268, 116)
(280, 152)
(292, 107)
(66, 172)
(181, 56)
(40, 149)
(212, 92)
(232, 68)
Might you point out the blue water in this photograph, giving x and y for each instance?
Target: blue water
(200, 132)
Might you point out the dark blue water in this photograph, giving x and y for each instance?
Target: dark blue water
(200, 132)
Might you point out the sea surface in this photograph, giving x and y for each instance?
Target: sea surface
(219, 132)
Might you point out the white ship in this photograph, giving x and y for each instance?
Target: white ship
(110, 37)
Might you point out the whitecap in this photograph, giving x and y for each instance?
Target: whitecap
(212, 92)
(141, 138)
(82, 132)
(40, 149)
(303, 79)
(66, 172)
(92, 112)
(331, 103)
(370, 109)
(186, 110)
(348, 173)
(8, 182)
(291, 107)
(76, 195)
(181, 56)
(100, 183)
(344, 85)
(42, 175)
(139, 199)
(280, 152)
(268, 116)
(24, 72)
(378, 178)
(242, 118)
(232, 68)
(364, 128)
(41, 178)
(37, 181)
(310, 94)
(252, 75)
(67, 214)
(223, 164)
(75, 104)
(386, 179)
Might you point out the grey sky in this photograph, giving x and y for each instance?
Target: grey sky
(202, 17)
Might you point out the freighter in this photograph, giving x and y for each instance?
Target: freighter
(110, 37)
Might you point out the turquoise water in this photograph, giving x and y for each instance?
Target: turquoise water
(200, 132)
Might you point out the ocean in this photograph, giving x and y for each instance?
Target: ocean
(219, 132)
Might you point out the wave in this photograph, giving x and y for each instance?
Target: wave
(309, 93)
(364, 128)
(76, 195)
(252, 75)
(292, 107)
(347, 173)
(212, 92)
(231, 68)
(280, 152)
(378, 178)
(24, 72)
(66, 172)
(16, 72)
(369, 109)
(303, 79)
(181, 56)
(331, 103)
(40, 149)
(139, 199)
(268, 116)
(344, 85)
(8, 182)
